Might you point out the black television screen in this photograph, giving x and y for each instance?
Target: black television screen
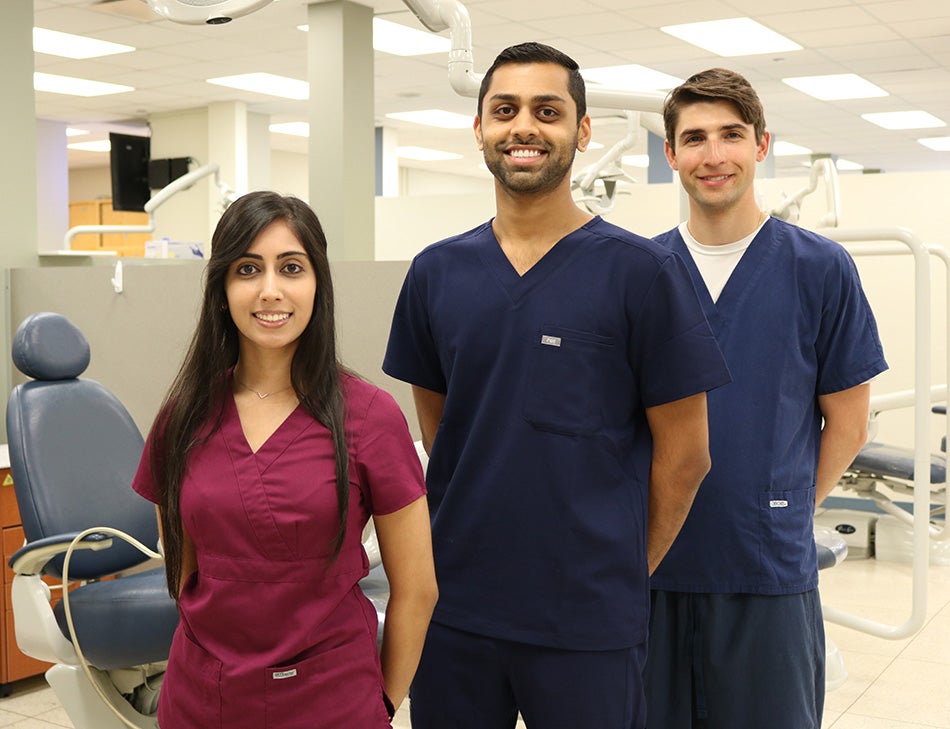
(128, 159)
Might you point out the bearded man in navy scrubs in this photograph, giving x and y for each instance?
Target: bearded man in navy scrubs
(559, 367)
(736, 634)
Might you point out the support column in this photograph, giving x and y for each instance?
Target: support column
(387, 162)
(659, 169)
(239, 141)
(18, 195)
(341, 159)
(52, 185)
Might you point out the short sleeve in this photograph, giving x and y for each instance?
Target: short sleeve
(143, 483)
(389, 467)
(411, 354)
(673, 349)
(848, 347)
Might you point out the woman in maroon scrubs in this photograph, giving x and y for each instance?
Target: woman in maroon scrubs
(266, 461)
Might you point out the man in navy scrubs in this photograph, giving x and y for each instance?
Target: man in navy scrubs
(559, 367)
(736, 634)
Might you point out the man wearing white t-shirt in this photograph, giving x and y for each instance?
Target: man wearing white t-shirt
(736, 634)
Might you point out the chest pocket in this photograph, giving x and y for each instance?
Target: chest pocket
(565, 381)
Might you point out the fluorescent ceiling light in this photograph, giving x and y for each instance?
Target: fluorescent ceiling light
(787, 149)
(938, 144)
(101, 145)
(836, 86)
(294, 129)
(401, 40)
(904, 120)
(425, 155)
(67, 45)
(845, 165)
(435, 118)
(636, 160)
(732, 37)
(631, 77)
(73, 132)
(265, 83)
(75, 86)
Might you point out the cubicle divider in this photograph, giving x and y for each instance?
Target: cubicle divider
(138, 337)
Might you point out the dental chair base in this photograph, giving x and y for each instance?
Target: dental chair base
(84, 707)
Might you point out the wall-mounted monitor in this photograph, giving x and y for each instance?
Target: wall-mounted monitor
(128, 159)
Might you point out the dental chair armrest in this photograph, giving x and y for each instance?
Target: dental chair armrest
(33, 557)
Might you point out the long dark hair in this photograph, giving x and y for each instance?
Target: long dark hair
(194, 406)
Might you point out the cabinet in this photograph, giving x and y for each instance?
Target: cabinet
(13, 664)
(100, 212)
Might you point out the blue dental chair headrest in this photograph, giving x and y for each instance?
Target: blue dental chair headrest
(48, 346)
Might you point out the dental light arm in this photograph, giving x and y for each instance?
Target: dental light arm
(608, 170)
(789, 209)
(184, 182)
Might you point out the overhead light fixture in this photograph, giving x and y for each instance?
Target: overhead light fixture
(904, 120)
(636, 160)
(423, 154)
(732, 37)
(836, 86)
(73, 132)
(435, 118)
(265, 83)
(101, 145)
(294, 129)
(938, 144)
(67, 45)
(786, 149)
(845, 165)
(630, 77)
(401, 40)
(54, 84)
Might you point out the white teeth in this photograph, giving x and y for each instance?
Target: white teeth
(523, 153)
(272, 317)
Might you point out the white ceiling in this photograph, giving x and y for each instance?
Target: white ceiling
(903, 46)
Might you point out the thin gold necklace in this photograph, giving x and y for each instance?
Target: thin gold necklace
(260, 394)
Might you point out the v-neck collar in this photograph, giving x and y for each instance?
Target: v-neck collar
(516, 285)
(275, 444)
(752, 265)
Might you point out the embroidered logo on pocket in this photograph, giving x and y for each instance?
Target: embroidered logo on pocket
(550, 341)
(284, 674)
(778, 503)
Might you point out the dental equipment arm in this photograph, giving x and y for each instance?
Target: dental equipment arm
(157, 200)
(790, 207)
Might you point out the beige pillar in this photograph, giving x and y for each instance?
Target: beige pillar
(342, 143)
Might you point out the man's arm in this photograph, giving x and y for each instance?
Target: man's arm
(844, 432)
(680, 432)
(429, 406)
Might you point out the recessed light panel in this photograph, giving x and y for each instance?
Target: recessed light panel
(67, 45)
(435, 118)
(787, 149)
(266, 83)
(401, 40)
(938, 144)
(71, 86)
(631, 77)
(294, 129)
(835, 87)
(423, 154)
(732, 37)
(904, 120)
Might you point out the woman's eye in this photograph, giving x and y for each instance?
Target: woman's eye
(293, 268)
(246, 269)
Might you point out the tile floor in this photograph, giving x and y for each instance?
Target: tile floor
(892, 684)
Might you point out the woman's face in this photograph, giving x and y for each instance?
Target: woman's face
(271, 289)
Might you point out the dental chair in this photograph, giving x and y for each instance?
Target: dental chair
(73, 452)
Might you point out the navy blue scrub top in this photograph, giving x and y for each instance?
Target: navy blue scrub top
(539, 470)
(793, 323)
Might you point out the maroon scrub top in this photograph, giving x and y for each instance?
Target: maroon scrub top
(273, 633)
